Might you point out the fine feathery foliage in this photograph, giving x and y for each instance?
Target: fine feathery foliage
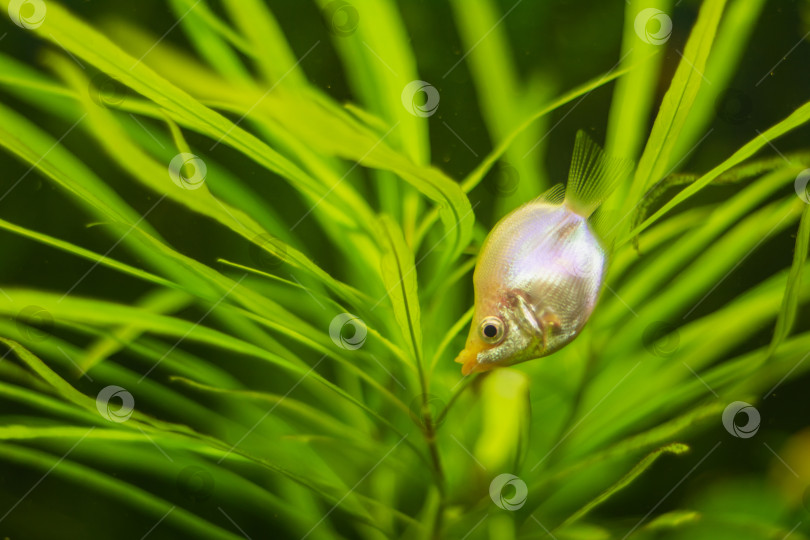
(295, 378)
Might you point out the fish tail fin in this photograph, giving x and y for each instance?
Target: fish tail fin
(593, 176)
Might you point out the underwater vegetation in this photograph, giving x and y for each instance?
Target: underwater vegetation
(239, 239)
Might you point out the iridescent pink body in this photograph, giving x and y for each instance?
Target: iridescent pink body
(539, 272)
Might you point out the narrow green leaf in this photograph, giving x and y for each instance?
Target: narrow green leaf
(379, 64)
(718, 99)
(201, 25)
(797, 118)
(654, 273)
(271, 51)
(677, 102)
(86, 42)
(627, 479)
(126, 493)
(503, 98)
(159, 301)
(475, 177)
(672, 520)
(67, 247)
(399, 276)
(634, 94)
(317, 417)
(451, 334)
(790, 301)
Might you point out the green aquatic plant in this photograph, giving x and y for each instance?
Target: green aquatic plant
(274, 283)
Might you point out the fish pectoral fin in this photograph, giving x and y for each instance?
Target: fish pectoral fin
(549, 319)
(549, 323)
(544, 321)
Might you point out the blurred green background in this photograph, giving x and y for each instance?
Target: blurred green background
(555, 46)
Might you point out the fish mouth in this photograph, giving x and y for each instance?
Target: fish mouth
(468, 358)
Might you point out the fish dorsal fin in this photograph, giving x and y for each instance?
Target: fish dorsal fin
(593, 176)
(554, 195)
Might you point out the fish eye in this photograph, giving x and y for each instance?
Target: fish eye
(491, 330)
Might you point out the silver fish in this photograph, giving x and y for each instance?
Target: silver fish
(541, 268)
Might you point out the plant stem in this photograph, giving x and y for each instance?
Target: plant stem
(465, 383)
(429, 432)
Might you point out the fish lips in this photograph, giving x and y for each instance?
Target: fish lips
(468, 358)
